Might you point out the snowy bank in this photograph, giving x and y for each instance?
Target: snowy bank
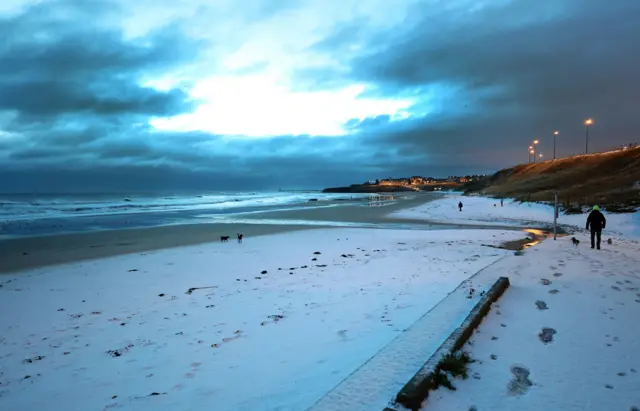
(563, 337)
(483, 210)
(273, 323)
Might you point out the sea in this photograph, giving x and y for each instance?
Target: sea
(24, 215)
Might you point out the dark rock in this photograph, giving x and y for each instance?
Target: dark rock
(314, 259)
(321, 265)
(263, 272)
(544, 281)
(494, 338)
(317, 253)
(113, 397)
(609, 386)
(161, 295)
(494, 357)
(554, 291)
(557, 274)
(133, 270)
(26, 377)
(60, 309)
(258, 278)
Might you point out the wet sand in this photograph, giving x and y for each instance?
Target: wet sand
(31, 252)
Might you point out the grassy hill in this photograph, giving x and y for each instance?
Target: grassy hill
(609, 179)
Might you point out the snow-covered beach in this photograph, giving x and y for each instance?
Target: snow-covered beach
(272, 324)
(277, 322)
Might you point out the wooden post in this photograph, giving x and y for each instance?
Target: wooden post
(555, 214)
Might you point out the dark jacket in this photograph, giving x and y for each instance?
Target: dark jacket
(596, 221)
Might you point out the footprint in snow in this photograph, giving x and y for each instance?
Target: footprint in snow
(541, 305)
(520, 383)
(546, 335)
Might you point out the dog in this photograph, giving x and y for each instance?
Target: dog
(609, 241)
(224, 238)
(575, 241)
(240, 236)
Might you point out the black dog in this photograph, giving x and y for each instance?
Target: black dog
(575, 241)
(240, 237)
(224, 238)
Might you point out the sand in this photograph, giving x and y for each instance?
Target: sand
(31, 252)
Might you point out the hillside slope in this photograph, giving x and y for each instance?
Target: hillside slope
(611, 179)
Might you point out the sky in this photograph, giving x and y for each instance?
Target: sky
(114, 95)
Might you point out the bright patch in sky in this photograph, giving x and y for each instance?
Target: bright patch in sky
(260, 106)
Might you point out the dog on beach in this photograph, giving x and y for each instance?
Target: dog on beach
(224, 238)
(609, 241)
(240, 236)
(575, 241)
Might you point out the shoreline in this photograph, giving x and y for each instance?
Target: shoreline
(25, 253)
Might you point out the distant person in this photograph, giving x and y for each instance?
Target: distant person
(501, 202)
(460, 206)
(596, 222)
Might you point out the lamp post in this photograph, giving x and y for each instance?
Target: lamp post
(540, 155)
(587, 123)
(530, 153)
(534, 150)
(555, 134)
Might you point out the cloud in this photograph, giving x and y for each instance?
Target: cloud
(56, 61)
(304, 93)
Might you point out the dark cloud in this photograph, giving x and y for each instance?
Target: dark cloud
(486, 79)
(57, 60)
(514, 71)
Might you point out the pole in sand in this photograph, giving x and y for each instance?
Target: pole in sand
(555, 214)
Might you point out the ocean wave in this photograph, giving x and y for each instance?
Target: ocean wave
(32, 207)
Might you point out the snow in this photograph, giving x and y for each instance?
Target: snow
(487, 211)
(124, 333)
(593, 363)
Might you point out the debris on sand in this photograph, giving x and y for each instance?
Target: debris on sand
(33, 359)
(317, 253)
(192, 289)
(544, 281)
(119, 351)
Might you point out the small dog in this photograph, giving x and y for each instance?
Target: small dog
(609, 241)
(575, 241)
(224, 238)
(240, 236)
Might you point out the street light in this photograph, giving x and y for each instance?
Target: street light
(531, 155)
(587, 123)
(534, 150)
(555, 134)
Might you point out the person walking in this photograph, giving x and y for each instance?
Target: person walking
(460, 205)
(596, 223)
